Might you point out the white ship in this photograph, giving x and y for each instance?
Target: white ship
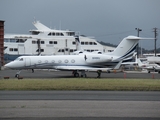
(46, 41)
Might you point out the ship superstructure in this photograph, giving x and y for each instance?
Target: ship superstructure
(46, 41)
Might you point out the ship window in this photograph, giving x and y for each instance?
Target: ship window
(12, 40)
(46, 61)
(15, 49)
(50, 42)
(34, 42)
(95, 43)
(42, 42)
(92, 50)
(73, 43)
(42, 50)
(86, 43)
(82, 43)
(53, 34)
(5, 48)
(90, 43)
(61, 50)
(10, 49)
(57, 34)
(6, 40)
(53, 61)
(49, 34)
(71, 50)
(88, 50)
(62, 34)
(55, 42)
(59, 61)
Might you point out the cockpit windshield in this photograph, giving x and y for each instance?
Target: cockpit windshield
(19, 59)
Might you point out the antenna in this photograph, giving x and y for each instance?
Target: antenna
(60, 25)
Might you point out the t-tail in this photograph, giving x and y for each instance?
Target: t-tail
(126, 48)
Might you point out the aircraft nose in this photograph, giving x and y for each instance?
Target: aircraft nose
(5, 66)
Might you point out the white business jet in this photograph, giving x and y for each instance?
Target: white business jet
(149, 67)
(81, 62)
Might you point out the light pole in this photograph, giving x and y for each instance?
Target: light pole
(138, 30)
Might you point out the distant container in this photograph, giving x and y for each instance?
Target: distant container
(1, 43)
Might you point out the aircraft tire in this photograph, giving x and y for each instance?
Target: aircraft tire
(76, 75)
(17, 75)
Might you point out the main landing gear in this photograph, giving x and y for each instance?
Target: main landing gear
(76, 74)
(99, 73)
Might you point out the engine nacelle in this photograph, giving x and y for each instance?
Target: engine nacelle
(97, 58)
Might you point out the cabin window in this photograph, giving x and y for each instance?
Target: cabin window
(66, 61)
(46, 61)
(53, 61)
(73, 61)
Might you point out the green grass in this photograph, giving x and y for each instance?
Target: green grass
(81, 84)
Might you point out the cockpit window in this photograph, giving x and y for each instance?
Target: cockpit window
(17, 59)
(21, 59)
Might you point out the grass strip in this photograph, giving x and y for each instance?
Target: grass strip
(81, 84)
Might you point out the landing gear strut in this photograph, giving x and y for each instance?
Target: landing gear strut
(83, 74)
(99, 73)
(17, 74)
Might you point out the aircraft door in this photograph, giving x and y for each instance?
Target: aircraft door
(27, 62)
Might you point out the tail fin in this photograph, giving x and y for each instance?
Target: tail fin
(40, 26)
(127, 47)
